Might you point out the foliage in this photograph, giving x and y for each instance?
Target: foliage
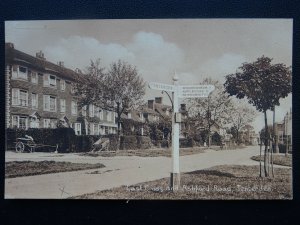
(215, 110)
(242, 115)
(120, 89)
(263, 84)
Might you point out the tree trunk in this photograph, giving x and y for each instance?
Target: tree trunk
(266, 146)
(260, 159)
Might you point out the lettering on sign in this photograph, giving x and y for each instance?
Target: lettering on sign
(195, 91)
(160, 86)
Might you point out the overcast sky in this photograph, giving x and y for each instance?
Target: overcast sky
(195, 48)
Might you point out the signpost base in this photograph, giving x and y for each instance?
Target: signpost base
(175, 182)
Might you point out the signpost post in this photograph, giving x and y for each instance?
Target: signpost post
(179, 91)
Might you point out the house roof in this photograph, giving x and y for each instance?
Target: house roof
(16, 56)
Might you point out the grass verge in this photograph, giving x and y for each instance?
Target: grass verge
(145, 152)
(220, 182)
(282, 160)
(29, 168)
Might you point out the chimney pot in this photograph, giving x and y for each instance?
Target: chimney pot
(61, 64)
(10, 45)
(40, 55)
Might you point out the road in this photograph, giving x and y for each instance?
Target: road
(120, 170)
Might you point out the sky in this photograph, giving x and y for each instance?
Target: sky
(194, 48)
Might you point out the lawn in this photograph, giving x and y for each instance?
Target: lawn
(220, 182)
(281, 159)
(29, 168)
(145, 152)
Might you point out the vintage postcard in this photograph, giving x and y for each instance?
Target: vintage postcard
(149, 109)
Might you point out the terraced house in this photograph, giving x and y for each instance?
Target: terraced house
(39, 94)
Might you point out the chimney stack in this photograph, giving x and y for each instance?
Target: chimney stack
(151, 104)
(61, 63)
(158, 100)
(40, 55)
(78, 70)
(10, 45)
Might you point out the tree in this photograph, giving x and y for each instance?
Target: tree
(215, 110)
(119, 89)
(241, 116)
(124, 89)
(263, 84)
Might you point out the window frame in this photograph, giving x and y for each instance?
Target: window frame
(74, 106)
(60, 105)
(36, 100)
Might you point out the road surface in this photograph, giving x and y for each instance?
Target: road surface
(119, 170)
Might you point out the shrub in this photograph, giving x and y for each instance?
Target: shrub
(128, 142)
(186, 142)
(143, 142)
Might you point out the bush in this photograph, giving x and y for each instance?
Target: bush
(128, 142)
(143, 142)
(186, 142)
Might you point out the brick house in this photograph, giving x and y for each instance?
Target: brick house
(39, 94)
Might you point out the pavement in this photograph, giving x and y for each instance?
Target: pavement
(118, 171)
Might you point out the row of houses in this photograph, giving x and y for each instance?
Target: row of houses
(40, 94)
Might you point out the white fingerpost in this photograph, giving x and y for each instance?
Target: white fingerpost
(175, 174)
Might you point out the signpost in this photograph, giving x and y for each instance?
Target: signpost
(179, 91)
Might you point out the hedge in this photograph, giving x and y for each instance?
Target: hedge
(65, 138)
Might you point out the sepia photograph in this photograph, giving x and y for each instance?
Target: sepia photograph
(170, 109)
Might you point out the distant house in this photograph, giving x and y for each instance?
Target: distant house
(284, 128)
(40, 94)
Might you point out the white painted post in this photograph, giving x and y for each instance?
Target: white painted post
(175, 174)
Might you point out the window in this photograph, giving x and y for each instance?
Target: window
(106, 130)
(77, 128)
(20, 122)
(96, 111)
(101, 114)
(52, 81)
(84, 110)
(100, 130)
(49, 103)
(46, 123)
(34, 78)
(19, 72)
(108, 116)
(49, 80)
(129, 115)
(62, 85)
(74, 107)
(15, 121)
(91, 128)
(23, 98)
(23, 122)
(62, 105)
(34, 100)
(91, 110)
(46, 80)
(96, 131)
(19, 97)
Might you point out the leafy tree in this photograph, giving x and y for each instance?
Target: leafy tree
(241, 116)
(215, 110)
(119, 90)
(124, 89)
(263, 84)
